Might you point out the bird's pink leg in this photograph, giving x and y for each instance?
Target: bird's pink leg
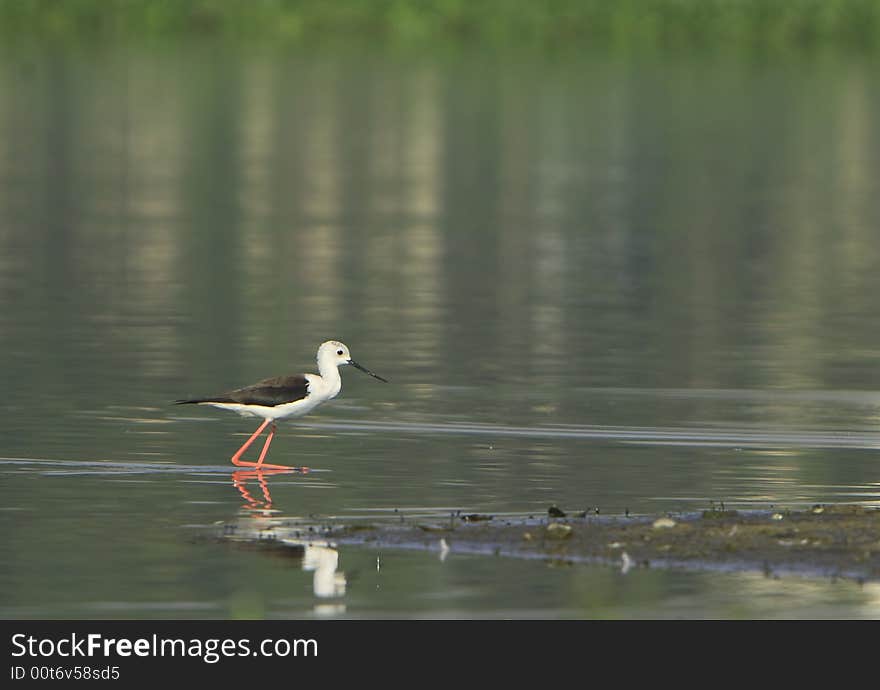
(267, 466)
(236, 459)
(259, 464)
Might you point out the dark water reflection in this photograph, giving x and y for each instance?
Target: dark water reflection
(595, 283)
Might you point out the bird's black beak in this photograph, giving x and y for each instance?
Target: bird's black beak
(366, 371)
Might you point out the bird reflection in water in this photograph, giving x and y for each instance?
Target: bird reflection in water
(257, 529)
(240, 478)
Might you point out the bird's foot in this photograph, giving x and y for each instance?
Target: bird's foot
(257, 467)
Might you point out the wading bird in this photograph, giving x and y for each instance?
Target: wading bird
(284, 396)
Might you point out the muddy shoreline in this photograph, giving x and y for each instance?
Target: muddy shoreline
(838, 541)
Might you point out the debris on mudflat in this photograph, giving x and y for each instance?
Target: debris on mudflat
(718, 514)
(663, 523)
(556, 530)
(476, 517)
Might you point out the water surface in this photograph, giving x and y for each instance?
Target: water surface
(601, 283)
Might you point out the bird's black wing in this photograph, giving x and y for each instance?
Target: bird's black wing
(268, 392)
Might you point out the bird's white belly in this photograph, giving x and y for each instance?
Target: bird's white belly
(297, 408)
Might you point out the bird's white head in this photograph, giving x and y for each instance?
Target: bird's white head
(335, 354)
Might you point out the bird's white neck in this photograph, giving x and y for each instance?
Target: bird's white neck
(329, 371)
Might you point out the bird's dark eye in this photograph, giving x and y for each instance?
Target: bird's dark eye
(339, 352)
